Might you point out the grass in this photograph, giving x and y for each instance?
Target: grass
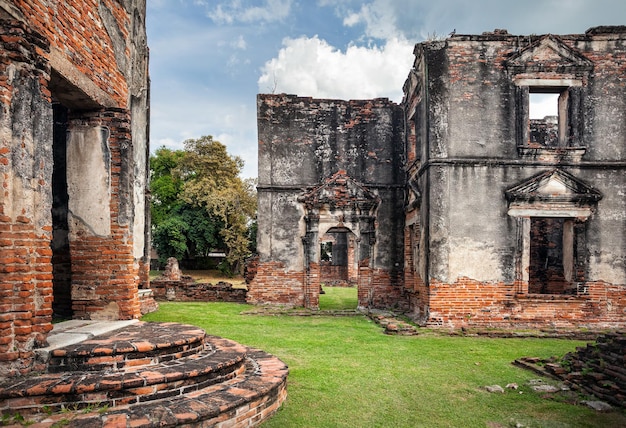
(345, 373)
(337, 298)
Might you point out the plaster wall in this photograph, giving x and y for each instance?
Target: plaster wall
(302, 143)
(90, 57)
(470, 156)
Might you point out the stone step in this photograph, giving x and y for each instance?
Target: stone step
(140, 344)
(221, 360)
(243, 401)
(149, 375)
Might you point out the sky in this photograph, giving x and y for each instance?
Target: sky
(210, 58)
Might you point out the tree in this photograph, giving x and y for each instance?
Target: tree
(200, 204)
(212, 181)
(165, 185)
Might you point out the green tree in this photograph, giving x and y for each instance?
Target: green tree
(212, 182)
(200, 204)
(165, 185)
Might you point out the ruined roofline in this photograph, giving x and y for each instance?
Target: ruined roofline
(610, 31)
(294, 97)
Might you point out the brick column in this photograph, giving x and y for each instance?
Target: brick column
(26, 198)
(105, 275)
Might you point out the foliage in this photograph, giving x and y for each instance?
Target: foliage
(212, 181)
(200, 204)
(344, 372)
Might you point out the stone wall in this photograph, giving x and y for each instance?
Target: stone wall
(186, 290)
(461, 211)
(327, 166)
(73, 167)
(479, 185)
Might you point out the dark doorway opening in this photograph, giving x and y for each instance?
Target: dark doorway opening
(552, 247)
(60, 245)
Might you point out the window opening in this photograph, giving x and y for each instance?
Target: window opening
(326, 252)
(548, 116)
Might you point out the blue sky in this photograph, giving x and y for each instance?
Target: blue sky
(209, 58)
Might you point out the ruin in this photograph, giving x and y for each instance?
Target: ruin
(73, 168)
(74, 243)
(457, 206)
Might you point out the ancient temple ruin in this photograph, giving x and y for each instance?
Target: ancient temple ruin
(73, 167)
(457, 206)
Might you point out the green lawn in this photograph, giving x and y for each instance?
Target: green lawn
(345, 373)
(338, 298)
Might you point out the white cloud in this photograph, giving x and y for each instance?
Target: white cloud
(379, 18)
(241, 11)
(542, 105)
(240, 43)
(309, 66)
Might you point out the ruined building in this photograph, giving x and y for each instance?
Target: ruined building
(73, 167)
(457, 206)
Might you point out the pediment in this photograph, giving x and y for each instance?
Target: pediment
(549, 54)
(553, 186)
(340, 191)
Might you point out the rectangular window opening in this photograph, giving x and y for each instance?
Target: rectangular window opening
(548, 116)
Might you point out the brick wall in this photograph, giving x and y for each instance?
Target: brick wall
(275, 285)
(25, 173)
(81, 30)
(186, 290)
(333, 275)
(91, 57)
(473, 303)
(105, 275)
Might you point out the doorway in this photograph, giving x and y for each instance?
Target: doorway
(552, 248)
(338, 270)
(60, 245)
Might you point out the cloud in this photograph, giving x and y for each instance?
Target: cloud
(309, 66)
(241, 11)
(240, 43)
(379, 18)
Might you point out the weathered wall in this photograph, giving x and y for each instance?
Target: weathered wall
(304, 145)
(187, 290)
(25, 202)
(88, 59)
(474, 149)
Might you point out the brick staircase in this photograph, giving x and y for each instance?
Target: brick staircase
(148, 375)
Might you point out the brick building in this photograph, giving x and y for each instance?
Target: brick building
(73, 167)
(463, 209)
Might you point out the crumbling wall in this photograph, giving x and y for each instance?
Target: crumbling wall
(304, 145)
(89, 61)
(25, 202)
(477, 145)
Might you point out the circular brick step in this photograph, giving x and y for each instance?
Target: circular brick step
(141, 344)
(244, 401)
(220, 361)
(149, 375)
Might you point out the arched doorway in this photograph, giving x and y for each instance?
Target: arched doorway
(340, 217)
(338, 266)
